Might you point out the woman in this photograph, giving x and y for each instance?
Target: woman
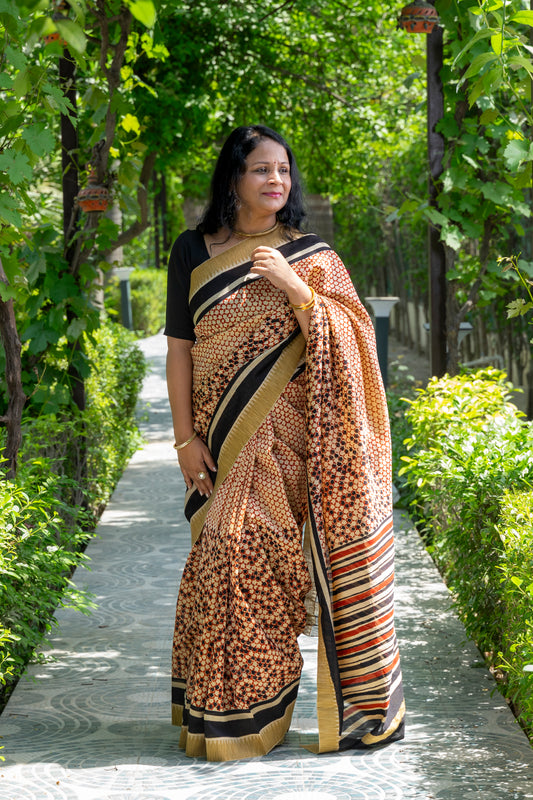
(280, 418)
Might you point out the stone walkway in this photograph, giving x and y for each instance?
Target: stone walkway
(93, 723)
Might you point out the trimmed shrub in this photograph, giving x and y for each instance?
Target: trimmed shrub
(69, 467)
(469, 455)
(516, 656)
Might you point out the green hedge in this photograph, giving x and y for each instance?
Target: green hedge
(68, 469)
(148, 299)
(469, 476)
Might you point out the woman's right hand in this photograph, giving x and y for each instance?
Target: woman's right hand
(196, 459)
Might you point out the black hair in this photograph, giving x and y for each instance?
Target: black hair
(231, 165)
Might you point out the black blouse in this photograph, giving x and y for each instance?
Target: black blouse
(188, 251)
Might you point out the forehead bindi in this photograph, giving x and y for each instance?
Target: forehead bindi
(268, 152)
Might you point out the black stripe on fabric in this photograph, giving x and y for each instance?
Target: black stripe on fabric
(328, 633)
(213, 292)
(215, 287)
(241, 394)
(223, 727)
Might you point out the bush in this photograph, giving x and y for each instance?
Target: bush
(470, 453)
(148, 299)
(516, 657)
(38, 552)
(69, 466)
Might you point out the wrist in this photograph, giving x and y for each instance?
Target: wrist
(299, 294)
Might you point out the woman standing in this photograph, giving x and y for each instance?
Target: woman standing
(280, 418)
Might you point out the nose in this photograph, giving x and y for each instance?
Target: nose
(274, 176)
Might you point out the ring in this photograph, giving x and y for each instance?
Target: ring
(202, 476)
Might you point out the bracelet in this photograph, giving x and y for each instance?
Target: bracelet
(305, 306)
(184, 444)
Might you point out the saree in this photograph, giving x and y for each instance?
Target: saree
(300, 435)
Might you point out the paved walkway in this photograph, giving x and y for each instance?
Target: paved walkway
(93, 722)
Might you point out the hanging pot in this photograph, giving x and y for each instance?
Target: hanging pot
(418, 17)
(95, 196)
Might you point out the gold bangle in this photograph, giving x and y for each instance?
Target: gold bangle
(305, 306)
(184, 444)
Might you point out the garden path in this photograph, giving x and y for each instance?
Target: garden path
(93, 723)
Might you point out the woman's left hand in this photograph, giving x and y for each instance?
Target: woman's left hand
(270, 263)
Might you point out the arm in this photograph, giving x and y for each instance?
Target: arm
(195, 457)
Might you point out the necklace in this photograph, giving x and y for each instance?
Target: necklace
(243, 235)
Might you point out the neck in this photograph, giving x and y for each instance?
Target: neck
(251, 225)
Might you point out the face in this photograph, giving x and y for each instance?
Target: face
(264, 188)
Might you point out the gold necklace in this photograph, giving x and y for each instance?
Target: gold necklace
(243, 235)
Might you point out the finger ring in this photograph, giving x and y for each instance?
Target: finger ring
(202, 476)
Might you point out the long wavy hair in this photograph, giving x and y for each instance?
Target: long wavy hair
(231, 165)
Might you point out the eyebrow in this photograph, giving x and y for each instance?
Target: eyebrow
(270, 162)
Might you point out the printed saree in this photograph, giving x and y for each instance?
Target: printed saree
(299, 433)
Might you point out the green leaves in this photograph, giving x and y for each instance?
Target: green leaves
(517, 152)
(144, 11)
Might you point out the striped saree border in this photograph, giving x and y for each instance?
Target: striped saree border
(236, 733)
(358, 659)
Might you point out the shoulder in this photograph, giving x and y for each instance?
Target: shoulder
(188, 250)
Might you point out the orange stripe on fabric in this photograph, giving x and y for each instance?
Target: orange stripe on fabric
(366, 560)
(380, 673)
(345, 552)
(354, 598)
(368, 627)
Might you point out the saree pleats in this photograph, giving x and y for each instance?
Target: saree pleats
(295, 437)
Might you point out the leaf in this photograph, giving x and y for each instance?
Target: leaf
(489, 116)
(21, 84)
(477, 65)
(496, 42)
(9, 210)
(516, 308)
(144, 11)
(516, 152)
(39, 139)
(16, 165)
(76, 328)
(451, 235)
(131, 123)
(521, 61)
(498, 192)
(482, 34)
(73, 34)
(523, 17)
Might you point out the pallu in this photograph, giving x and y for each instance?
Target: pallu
(300, 435)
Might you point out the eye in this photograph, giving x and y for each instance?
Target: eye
(284, 170)
(261, 169)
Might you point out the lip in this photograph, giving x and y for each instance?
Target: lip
(272, 194)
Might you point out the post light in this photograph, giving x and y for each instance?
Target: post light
(382, 306)
(123, 274)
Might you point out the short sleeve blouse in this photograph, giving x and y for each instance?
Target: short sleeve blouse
(188, 251)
